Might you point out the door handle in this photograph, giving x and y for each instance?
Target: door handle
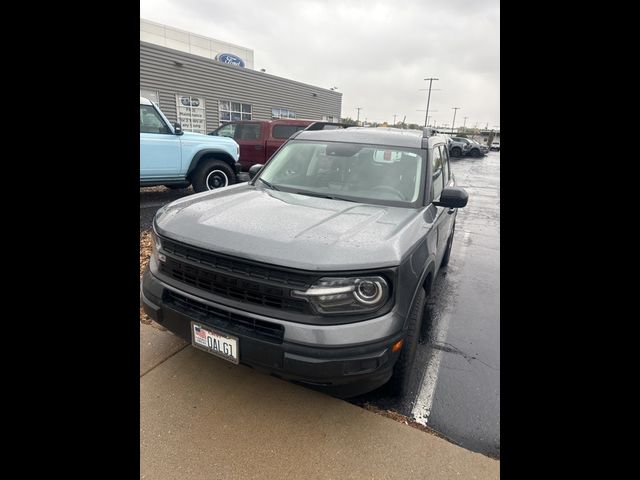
(451, 210)
(258, 147)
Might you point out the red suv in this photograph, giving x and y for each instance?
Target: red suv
(259, 139)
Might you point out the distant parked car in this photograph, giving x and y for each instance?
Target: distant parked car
(478, 149)
(460, 146)
(495, 146)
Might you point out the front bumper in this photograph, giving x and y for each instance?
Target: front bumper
(343, 370)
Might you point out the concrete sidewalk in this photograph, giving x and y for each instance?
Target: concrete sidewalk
(204, 418)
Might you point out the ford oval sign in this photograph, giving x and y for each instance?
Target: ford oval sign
(230, 59)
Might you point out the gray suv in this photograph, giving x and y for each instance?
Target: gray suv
(316, 270)
(459, 146)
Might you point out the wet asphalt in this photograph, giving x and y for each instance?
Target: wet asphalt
(456, 387)
(457, 373)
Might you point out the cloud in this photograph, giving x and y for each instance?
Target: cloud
(376, 52)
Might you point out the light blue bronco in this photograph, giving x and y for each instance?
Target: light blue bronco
(171, 157)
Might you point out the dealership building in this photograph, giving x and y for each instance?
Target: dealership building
(201, 82)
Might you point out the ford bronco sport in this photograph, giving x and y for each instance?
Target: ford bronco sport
(171, 157)
(317, 269)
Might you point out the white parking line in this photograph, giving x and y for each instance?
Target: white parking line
(422, 408)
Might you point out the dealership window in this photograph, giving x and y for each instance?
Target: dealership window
(327, 118)
(234, 111)
(282, 113)
(151, 95)
(191, 113)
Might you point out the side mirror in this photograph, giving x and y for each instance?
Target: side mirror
(177, 128)
(253, 171)
(453, 197)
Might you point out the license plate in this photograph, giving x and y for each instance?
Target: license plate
(216, 343)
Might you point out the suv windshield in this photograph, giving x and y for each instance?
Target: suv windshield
(349, 171)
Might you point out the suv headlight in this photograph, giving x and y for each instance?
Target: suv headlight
(336, 295)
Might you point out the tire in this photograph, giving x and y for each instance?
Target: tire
(475, 153)
(447, 253)
(212, 174)
(400, 382)
(456, 152)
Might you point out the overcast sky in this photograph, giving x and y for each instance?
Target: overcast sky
(377, 53)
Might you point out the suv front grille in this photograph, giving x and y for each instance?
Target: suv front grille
(227, 321)
(234, 279)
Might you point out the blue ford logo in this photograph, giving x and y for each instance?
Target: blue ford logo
(230, 59)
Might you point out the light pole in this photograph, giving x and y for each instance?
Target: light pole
(431, 79)
(358, 119)
(465, 123)
(455, 110)
(394, 119)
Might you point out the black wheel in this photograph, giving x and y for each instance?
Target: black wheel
(456, 152)
(447, 252)
(403, 369)
(212, 174)
(476, 153)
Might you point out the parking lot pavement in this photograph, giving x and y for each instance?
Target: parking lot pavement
(203, 418)
(152, 198)
(156, 345)
(457, 375)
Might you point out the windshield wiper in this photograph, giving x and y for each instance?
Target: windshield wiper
(323, 195)
(272, 187)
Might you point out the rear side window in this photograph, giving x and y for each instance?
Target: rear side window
(437, 175)
(247, 131)
(151, 122)
(285, 131)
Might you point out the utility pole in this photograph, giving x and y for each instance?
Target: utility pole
(455, 110)
(431, 79)
(428, 119)
(358, 119)
(394, 119)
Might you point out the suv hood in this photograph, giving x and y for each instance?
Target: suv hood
(292, 230)
(192, 137)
